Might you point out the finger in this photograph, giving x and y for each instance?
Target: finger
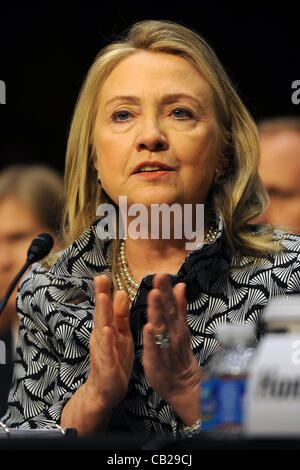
(102, 347)
(155, 311)
(108, 349)
(121, 307)
(167, 299)
(103, 314)
(103, 284)
(162, 282)
(179, 292)
(181, 326)
(153, 355)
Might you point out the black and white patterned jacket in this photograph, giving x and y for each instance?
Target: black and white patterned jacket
(56, 307)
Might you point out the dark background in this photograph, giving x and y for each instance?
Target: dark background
(46, 50)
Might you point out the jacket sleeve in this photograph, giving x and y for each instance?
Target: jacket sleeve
(38, 393)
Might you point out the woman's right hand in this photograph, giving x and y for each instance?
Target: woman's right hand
(111, 345)
(111, 361)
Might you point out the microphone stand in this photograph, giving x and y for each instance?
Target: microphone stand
(13, 285)
(39, 248)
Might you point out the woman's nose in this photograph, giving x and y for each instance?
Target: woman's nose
(151, 136)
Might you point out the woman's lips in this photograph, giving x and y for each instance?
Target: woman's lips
(153, 174)
(148, 164)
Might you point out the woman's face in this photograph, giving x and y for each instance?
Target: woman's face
(156, 110)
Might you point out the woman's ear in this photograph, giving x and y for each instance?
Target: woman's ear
(93, 157)
(95, 160)
(96, 166)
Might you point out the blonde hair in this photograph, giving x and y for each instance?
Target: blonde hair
(238, 195)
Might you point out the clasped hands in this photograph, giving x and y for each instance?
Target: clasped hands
(172, 371)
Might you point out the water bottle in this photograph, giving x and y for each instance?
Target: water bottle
(272, 401)
(223, 386)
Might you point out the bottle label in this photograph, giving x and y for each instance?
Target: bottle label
(222, 402)
(208, 404)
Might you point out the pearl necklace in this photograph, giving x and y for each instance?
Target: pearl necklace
(124, 278)
(127, 283)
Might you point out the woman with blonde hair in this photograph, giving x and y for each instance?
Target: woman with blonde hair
(114, 335)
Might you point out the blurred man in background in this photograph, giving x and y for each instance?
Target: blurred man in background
(280, 171)
(31, 202)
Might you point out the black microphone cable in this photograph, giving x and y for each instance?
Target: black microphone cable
(39, 248)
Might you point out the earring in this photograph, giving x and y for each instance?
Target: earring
(99, 181)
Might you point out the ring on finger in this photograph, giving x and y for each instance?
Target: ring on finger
(162, 339)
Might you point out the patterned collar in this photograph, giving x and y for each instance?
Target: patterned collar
(89, 256)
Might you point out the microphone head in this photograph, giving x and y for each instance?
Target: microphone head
(40, 247)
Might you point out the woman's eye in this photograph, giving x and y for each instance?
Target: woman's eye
(121, 115)
(182, 113)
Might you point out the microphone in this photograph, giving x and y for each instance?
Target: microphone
(39, 248)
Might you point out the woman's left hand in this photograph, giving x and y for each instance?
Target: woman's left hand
(171, 368)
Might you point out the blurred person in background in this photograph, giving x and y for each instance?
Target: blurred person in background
(279, 170)
(31, 202)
